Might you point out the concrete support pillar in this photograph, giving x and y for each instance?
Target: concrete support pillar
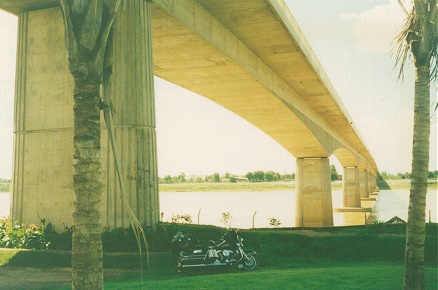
(363, 181)
(43, 131)
(350, 187)
(370, 182)
(131, 89)
(370, 186)
(43, 122)
(373, 178)
(313, 193)
(373, 182)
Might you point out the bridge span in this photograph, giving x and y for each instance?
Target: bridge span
(248, 56)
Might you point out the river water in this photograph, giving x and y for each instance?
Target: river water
(248, 208)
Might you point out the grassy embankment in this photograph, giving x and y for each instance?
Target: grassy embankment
(268, 186)
(4, 186)
(261, 186)
(368, 257)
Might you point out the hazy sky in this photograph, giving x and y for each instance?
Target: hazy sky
(352, 40)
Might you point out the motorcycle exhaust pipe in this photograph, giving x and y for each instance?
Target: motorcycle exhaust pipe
(193, 266)
(203, 265)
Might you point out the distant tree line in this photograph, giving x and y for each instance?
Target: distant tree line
(257, 176)
(269, 176)
(406, 175)
(5, 185)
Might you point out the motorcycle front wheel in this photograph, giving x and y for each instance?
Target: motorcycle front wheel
(249, 263)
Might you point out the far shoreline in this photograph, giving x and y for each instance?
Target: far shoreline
(267, 186)
(280, 185)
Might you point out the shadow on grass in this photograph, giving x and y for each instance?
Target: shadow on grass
(38, 259)
(160, 267)
(382, 184)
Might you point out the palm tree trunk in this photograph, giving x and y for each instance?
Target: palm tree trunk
(86, 36)
(87, 265)
(415, 234)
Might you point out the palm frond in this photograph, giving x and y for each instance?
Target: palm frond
(402, 43)
(402, 6)
(412, 33)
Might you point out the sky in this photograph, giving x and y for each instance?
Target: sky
(352, 40)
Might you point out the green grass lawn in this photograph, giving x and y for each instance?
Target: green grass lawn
(292, 273)
(326, 258)
(337, 276)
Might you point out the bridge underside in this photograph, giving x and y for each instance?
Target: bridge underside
(251, 58)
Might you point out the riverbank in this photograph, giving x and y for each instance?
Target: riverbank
(264, 186)
(5, 187)
(281, 185)
(226, 186)
(403, 184)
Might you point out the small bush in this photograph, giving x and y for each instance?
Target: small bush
(20, 236)
(183, 219)
(226, 219)
(274, 222)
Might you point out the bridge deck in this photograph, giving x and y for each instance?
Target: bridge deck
(264, 70)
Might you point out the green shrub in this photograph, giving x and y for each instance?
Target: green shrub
(274, 222)
(183, 218)
(59, 241)
(119, 240)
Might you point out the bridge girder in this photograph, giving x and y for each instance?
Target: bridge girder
(264, 71)
(276, 84)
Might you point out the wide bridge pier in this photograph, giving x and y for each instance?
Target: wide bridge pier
(43, 171)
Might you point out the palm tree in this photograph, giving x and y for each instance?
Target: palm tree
(87, 26)
(419, 37)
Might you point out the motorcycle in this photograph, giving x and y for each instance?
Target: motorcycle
(227, 252)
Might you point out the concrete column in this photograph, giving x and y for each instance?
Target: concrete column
(313, 193)
(131, 90)
(43, 122)
(43, 130)
(363, 180)
(370, 182)
(350, 187)
(373, 182)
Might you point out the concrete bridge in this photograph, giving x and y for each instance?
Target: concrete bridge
(248, 56)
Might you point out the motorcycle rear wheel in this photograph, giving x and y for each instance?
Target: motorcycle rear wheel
(249, 263)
